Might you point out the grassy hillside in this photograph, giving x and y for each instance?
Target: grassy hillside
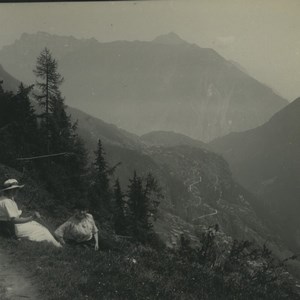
(138, 272)
(126, 270)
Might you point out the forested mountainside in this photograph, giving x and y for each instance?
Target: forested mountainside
(165, 84)
(169, 139)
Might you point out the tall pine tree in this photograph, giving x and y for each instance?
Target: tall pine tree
(18, 126)
(119, 210)
(50, 80)
(63, 174)
(48, 95)
(100, 192)
(143, 200)
(153, 194)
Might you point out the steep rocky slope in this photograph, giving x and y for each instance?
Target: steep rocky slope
(266, 160)
(203, 193)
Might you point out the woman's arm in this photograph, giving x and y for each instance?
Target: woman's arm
(59, 239)
(94, 231)
(96, 241)
(21, 220)
(60, 232)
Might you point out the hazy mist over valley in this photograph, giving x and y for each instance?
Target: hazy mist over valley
(177, 125)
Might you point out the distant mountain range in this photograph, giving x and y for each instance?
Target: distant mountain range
(266, 160)
(163, 85)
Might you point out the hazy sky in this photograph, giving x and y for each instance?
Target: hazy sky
(261, 35)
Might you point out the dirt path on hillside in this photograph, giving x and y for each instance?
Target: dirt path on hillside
(15, 282)
(190, 189)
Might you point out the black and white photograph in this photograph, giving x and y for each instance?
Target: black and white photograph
(150, 150)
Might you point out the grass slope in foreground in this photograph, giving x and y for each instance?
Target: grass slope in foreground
(128, 271)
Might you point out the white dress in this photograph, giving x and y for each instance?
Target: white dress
(32, 230)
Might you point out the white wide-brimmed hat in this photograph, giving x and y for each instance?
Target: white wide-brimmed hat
(10, 184)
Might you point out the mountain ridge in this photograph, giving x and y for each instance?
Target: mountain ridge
(168, 139)
(180, 87)
(170, 38)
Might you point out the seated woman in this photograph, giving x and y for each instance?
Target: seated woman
(24, 227)
(80, 229)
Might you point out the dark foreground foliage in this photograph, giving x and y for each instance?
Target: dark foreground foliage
(131, 271)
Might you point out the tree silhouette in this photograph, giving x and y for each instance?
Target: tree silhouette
(48, 94)
(143, 200)
(119, 209)
(18, 126)
(100, 192)
(63, 174)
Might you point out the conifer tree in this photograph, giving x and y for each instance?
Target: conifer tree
(135, 198)
(153, 193)
(119, 209)
(46, 71)
(7, 145)
(142, 206)
(18, 125)
(100, 193)
(101, 166)
(5, 108)
(49, 96)
(27, 136)
(64, 174)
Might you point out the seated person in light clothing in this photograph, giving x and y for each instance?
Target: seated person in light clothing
(22, 227)
(80, 229)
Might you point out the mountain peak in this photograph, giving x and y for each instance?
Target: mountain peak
(48, 38)
(170, 38)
